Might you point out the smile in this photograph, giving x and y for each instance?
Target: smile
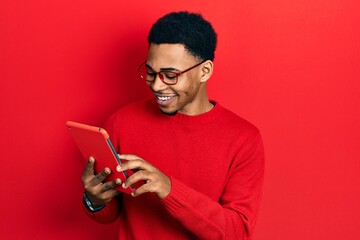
(164, 100)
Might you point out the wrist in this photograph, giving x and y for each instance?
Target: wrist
(90, 206)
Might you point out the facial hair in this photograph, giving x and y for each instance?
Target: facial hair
(169, 113)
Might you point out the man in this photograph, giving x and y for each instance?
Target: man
(202, 166)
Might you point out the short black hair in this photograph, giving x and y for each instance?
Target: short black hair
(190, 29)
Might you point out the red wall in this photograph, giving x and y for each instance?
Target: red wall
(291, 67)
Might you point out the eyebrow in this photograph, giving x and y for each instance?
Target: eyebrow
(163, 69)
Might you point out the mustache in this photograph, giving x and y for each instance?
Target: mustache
(161, 92)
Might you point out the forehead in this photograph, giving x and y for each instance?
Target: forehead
(168, 55)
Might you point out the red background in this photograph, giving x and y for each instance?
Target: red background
(291, 67)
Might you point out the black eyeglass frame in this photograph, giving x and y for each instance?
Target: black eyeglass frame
(162, 74)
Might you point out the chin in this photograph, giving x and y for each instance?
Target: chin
(169, 113)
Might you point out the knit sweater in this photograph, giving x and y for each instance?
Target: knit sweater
(215, 161)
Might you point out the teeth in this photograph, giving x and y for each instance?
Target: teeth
(164, 98)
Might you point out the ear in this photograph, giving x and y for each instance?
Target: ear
(207, 71)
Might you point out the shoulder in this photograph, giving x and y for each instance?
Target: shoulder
(136, 109)
(233, 122)
(134, 112)
(243, 137)
(127, 117)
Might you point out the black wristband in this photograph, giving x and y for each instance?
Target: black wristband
(89, 205)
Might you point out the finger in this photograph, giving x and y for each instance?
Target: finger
(110, 185)
(155, 182)
(143, 189)
(89, 169)
(110, 194)
(161, 190)
(135, 164)
(102, 198)
(100, 177)
(138, 176)
(129, 157)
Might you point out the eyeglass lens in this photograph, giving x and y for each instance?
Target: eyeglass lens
(168, 77)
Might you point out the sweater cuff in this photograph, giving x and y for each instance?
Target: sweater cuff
(177, 197)
(89, 205)
(107, 214)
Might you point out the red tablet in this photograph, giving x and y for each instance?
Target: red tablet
(95, 142)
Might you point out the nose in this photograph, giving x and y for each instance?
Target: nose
(158, 85)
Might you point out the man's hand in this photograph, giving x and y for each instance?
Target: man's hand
(98, 191)
(155, 181)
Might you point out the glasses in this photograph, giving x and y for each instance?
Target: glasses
(168, 76)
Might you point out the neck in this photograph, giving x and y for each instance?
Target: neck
(208, 107)
(199, 105)
(198, 108)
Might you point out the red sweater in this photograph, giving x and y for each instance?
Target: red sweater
(216, 164)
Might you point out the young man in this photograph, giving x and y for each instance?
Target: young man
(202, 166)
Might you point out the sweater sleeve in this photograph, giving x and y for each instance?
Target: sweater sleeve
(106, 215)
(111, 211)
(234, 215)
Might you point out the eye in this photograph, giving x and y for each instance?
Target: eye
(151, 73)
(170, 75)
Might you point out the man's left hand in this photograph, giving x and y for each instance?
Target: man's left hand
(155, 180)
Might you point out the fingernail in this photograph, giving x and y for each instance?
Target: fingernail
(91, 159)
(123, 185)
(133, 194)
(118, 168)
(117, 181)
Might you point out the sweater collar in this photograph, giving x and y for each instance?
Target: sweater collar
(197, 119)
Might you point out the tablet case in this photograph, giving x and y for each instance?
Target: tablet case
(95, 142)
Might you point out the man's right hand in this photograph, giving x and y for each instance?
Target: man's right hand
(97, 190)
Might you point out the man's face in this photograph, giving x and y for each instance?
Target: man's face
(187, 95)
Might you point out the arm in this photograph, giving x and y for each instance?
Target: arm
(232, 217)
(100, 194)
